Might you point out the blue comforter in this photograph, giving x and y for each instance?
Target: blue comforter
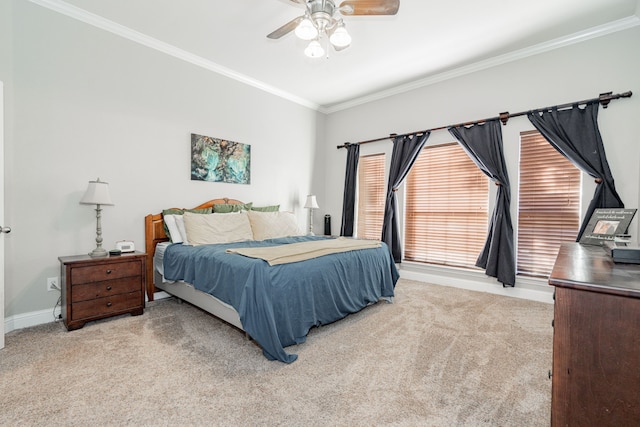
(279, 304)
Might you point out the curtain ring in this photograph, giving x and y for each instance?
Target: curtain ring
(598, 180)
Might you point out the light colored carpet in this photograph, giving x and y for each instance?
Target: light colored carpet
(438, 356)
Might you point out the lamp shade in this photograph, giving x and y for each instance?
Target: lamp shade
(311, 202)
(340, 37)
(314, 50)
(306, 30)
(97, 194)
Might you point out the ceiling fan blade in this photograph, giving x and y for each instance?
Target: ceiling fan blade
(370, 7)
(286, 28)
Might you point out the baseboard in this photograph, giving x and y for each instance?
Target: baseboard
(531, 289)
(35, 318)
(525, 288)
(26, 320)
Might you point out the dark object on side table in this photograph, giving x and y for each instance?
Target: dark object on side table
(327, 225)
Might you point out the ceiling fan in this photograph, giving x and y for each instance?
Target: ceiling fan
(322, 18)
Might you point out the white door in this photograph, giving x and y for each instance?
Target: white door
(2, 225)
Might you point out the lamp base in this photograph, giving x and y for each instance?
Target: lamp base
(310, 233)
(98, 252)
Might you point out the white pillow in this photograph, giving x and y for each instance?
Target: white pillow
(204, 229)
(270, 225)
(174, 232)
(181, 229)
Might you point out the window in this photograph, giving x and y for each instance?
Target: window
(446, 208)
(372, 191)
(548, 204)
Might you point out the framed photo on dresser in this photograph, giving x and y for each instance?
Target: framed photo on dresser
(605, 224)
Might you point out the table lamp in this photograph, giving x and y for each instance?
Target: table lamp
(311, 204)
(97, 194)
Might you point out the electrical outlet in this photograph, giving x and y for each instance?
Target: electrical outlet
(52, 284)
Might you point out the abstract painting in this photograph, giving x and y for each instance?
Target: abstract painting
(219, 160)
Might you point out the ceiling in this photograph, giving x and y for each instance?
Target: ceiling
(425, 41)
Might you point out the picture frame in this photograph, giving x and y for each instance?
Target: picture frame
(220, 160)
(605, 224)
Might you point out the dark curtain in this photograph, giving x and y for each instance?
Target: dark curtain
(483, 143)
(575, 134)
(349, 198)
(405, 151)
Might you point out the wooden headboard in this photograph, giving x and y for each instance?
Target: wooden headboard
(154, 234)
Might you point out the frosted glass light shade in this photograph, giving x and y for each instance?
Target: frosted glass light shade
(306, 30)
(340, 37)
(314, 50)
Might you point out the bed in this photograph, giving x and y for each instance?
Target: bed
(276, 305)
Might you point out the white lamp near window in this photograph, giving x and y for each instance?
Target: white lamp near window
(97, 194)
(311, 204)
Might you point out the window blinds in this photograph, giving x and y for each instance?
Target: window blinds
(372, 190)
(548, 204)
(446, 208)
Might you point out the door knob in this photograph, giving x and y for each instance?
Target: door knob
(5, 229)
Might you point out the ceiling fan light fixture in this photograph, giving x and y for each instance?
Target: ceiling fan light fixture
(306, 30)
(314, 50)
(340, 37)
(322, 20)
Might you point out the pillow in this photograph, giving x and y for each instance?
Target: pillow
(180, 212)
(216, 228)
(270, 225)
(174, 232)
(274, 208)
(231, 207)
(183, 232)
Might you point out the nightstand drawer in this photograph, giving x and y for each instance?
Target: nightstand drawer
(96, 288)
(96, 273)
(106, 305)
(106, 288)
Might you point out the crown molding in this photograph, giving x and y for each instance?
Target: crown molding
(145, 40)
(579, 37)
(153, 43)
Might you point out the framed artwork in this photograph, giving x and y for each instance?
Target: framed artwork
(605, 224)
(220, 160)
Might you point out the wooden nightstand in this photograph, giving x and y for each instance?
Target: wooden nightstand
(95, 288)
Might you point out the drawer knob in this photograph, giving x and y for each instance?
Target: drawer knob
(108, 271)
(109, 288)
(109, 304)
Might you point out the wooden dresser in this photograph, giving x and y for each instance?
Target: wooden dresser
(95, 288)
(596, 339)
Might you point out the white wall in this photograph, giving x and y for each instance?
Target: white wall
(87, 104)
(577, 72)
(81, 103)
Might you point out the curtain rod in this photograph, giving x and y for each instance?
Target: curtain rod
(603, 99)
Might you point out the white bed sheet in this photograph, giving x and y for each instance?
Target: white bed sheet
(158, 257)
